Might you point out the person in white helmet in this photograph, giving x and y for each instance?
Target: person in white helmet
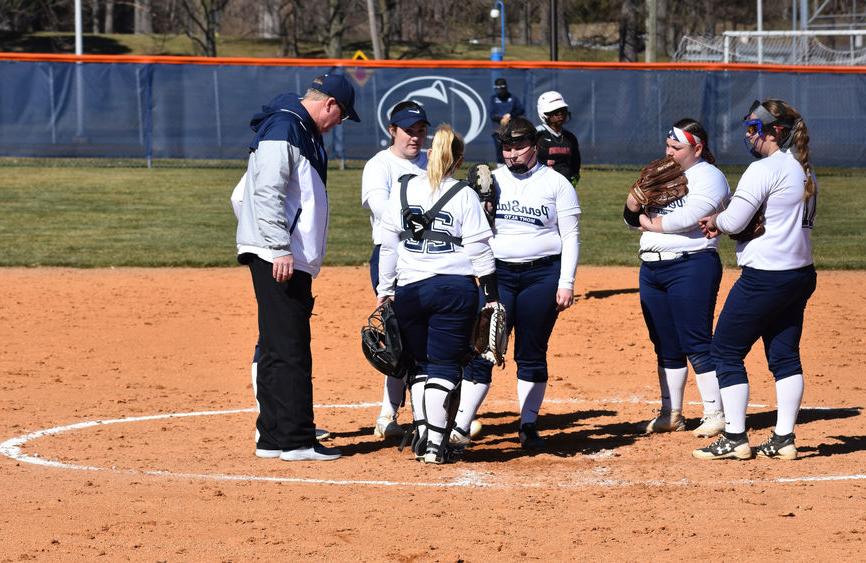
(557, 146)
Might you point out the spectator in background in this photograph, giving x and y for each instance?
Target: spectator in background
(503, 107)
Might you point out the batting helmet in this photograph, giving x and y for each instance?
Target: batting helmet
(549, 102)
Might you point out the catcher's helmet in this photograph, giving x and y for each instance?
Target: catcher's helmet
(548, 103)
(380, 341)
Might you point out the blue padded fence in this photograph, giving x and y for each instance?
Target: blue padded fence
(154, 110)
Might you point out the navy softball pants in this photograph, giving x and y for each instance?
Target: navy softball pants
(528, 293)
(436, 317)
(768, 305)
(678, 300)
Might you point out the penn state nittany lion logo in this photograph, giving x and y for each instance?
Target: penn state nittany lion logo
(445, 100)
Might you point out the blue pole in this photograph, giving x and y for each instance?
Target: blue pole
(502, 24)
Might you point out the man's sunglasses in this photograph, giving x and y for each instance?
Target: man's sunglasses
(344, 115)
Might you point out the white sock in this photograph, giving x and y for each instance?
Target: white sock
(530, 395)
(672, 382)
(254, 371)
(416, 395)
(471, 396)
(789, 394)
(708, 386)
(434, 407)
(735, 399)
(392, 396)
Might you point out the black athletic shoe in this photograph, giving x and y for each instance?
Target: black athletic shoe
(725, 448)
(780, 447)
(529, 438)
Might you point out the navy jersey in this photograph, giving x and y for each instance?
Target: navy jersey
(560, 152)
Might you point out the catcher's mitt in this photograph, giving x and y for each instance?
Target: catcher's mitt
(661, 182)
(380, 341)
(480, 179)
(754, 229)
(488, 336)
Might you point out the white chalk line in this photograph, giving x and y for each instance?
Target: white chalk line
(11, 448)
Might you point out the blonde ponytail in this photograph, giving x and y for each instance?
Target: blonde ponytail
(446, 150)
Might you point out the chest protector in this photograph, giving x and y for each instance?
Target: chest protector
(419, 226)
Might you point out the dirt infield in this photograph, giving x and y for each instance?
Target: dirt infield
(82, 346)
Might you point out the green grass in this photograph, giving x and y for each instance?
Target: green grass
(74, 213)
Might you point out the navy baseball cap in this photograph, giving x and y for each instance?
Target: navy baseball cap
(336, 86)
(407, 117)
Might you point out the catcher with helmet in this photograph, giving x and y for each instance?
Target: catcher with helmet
(680, 270)
(434, 245)
(536, 245)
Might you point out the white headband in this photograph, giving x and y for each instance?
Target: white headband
(682, 136)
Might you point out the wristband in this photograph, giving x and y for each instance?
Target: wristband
(632, 218)
(490, 287)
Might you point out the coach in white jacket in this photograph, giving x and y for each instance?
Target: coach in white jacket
(281, 235)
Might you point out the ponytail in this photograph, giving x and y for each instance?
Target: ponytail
(445, 152)
(798, 137)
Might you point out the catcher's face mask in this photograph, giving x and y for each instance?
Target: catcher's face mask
(759, 122)
(519, 152)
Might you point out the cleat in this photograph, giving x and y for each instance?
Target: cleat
(459, 438)
(322, 434)
(387, 427)
(529, 438)
(316, 453)
(779, 447)
(666, 421)
(475, 429)
(725, 448)
(268, 454)
(431, 457)
(712, 424)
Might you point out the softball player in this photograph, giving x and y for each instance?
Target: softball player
(536, 246)
(557, 146)
(434, 268)
(777, 279)
(679, 280)
(408, 130)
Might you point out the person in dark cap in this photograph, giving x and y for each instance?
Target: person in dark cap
(503, 107)
(281, 234)
(407, 128)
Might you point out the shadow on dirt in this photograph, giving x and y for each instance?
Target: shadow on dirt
(767, 419)
(602, 293)
(845, 445)
(567, 435)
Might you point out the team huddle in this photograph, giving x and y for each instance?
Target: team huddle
(505, 247)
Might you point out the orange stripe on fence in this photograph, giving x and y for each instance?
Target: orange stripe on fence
(255, 61)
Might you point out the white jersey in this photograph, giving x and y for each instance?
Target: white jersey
(777, 184)
(381, 175)
(527, 213)
(708, 194)
(461, 217)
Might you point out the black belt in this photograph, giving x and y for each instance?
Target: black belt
(523, 266)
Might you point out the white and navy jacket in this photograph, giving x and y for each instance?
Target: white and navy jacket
(284, 207)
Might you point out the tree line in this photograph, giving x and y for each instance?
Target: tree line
(385, 24)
